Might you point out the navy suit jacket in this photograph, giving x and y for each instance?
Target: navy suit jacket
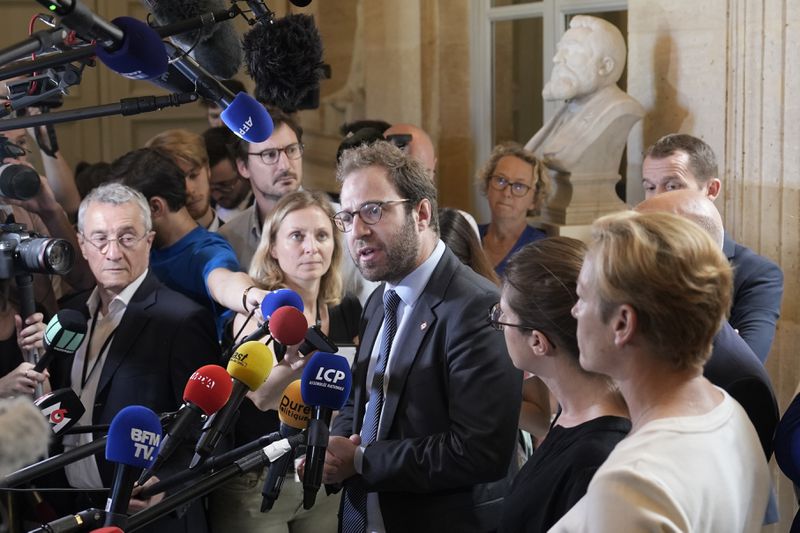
(757, 294)
(734, 367)
(162, 339)
(451, 411)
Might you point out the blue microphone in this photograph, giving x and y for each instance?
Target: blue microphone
(271, 303)
(140, 55)
(133, 440)
(325, 386)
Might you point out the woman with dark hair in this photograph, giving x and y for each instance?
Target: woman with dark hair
(516, 184)
(459, 236)
(541, 334)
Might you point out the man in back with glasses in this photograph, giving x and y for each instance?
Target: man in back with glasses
(275, 169)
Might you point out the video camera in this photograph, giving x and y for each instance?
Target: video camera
(23, 252)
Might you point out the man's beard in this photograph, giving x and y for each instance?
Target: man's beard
(400, 256)
(563, 85)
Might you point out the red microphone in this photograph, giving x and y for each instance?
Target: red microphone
(207, 390)
(288, 325)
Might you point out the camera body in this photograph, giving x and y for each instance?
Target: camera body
(23, 252)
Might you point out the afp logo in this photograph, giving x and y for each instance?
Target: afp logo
(145, 443)
(246, 125)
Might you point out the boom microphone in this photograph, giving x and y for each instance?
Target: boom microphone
(62, 409)
(19, 182)
(127, 46)
(294, 416)
(215, 47)
(63, 336)
(207, 390)
(325, 386)
(249, 366)
(285, 60)
(133, 441)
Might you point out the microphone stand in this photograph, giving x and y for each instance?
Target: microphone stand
(125, 107)
(254, 461)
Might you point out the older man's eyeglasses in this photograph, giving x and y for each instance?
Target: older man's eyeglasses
(370, 213)
(499, 183)
(103, 243)
(270, 156)
(495, 313)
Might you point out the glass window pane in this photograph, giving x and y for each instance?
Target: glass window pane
(517, 79)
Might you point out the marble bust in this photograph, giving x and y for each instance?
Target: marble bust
(582, 144)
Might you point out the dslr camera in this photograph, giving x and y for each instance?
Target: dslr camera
(23, 252)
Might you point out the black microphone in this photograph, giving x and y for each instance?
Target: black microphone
(62, 408)
(215, 47)
(294, 416)
(19, 182)
(284, 58)
(127, 46)
(325, 386)
(63, 336)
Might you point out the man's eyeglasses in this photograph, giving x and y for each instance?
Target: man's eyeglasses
(270, 156)
(494, 320)
(224, 186)
(370, 213)
(102, 243)
(499, 183)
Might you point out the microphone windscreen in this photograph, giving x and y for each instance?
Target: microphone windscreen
(142, 55)
(285, 60)
(208, 388)
(248, 119)
(280, 298)
(326, 381)
(65, 331)
(293, 411)
(288, 325)
(216, 47)
(110, 529)
(61, 408)
(134, 437)
(251, 363)
(25, 434)
(19, 182)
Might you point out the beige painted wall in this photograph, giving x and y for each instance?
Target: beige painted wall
(726, 71)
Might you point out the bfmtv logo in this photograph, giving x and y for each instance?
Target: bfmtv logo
(145, 443)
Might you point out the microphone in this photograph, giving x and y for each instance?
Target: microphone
(63, 336)
(207, 390)
(273, 301)
(294, 416)
(61, 408)
(242, 114)
(133, 441)
(249, 366)
(127, 46)
(24, 437)
(325, 385)
(285, 60)
(19, 182)
(288, 326)
(215, 47)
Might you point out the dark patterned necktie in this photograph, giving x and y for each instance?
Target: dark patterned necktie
(354, 506)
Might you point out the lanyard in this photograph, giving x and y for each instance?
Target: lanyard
(84, 377)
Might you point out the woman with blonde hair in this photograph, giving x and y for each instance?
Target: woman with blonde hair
(516, 184)
(299, 250)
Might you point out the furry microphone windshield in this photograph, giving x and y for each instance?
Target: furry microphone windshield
(285, 60)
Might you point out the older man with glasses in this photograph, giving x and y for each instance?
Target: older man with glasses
(143, 340)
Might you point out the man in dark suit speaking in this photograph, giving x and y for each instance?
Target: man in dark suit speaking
(433, 413)
(143, 340)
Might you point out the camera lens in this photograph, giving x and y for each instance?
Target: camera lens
(46, 256)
